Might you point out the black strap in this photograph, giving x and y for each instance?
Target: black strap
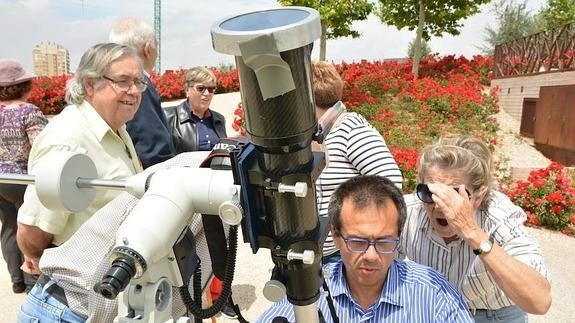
(236, 308)
(217, 243)
(330, 303)
(212, 224)
(219, 158)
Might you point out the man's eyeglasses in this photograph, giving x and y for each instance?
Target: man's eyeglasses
(360, 245)
(202, 88)
(126, 85)
(424, 194)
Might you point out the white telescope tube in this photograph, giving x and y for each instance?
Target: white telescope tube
(174, 195)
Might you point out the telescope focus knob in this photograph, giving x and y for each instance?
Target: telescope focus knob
(307, 256)
(299, 189)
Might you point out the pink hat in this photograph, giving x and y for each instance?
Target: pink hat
(12, 72)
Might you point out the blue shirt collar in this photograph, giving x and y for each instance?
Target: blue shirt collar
(391, 293)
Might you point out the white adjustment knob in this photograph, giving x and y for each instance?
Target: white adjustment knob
(299, 189)
(231, 212)
(307, 256)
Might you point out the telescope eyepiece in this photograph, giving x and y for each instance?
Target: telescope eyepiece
(116, 278)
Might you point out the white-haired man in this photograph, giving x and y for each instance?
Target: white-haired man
(148, 129)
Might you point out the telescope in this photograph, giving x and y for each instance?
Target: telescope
(277, 169)
(269, 189)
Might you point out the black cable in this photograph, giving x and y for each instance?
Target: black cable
(197, 283)
(240, 318)
(195, 306)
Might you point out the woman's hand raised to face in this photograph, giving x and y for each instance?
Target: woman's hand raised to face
(456, 205)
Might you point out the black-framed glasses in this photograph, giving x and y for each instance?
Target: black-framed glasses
(360, 245)
(424, 194)
(126, 85)
(202, 88)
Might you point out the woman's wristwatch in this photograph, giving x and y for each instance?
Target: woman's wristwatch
(485, 246)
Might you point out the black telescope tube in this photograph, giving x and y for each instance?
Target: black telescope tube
(281, 129)
(286, 122)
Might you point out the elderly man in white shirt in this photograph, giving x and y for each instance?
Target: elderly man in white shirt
(104, 94)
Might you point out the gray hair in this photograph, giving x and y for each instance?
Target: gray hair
(472, 158)
(199, 74)
(474, 145)
(365, 191)
(132, 32)
(93, 65)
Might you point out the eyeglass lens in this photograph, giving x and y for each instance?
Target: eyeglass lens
(361, 245)
(424, 194)
(202, 88)
(126, 85)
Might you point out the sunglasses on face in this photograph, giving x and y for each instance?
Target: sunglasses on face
(202, 88)
(424, 194)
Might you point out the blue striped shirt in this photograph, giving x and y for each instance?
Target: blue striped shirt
(411, 293)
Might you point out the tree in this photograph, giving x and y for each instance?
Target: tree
(556, 14)
(514, 21)
(336, 17)
(429, 17)
(424, 50)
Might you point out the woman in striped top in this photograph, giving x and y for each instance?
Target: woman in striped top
(474, 234)
(353, 147)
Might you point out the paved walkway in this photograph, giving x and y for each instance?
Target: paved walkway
(252, 271)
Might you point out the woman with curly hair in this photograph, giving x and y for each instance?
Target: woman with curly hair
(20, 122)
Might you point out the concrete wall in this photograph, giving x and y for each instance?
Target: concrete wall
(512, 90)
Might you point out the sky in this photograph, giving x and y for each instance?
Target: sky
(186, 41)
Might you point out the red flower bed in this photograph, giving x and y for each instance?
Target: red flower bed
(548, 198)
(170, 85)
(48, 92)
(411, 112)
(238, 123)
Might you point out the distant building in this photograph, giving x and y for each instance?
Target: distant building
(50, 59)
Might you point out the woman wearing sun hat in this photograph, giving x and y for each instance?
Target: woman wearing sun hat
(20, 122)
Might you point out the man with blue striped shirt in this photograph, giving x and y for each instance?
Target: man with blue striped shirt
(369, 284)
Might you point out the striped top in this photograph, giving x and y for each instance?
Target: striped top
(411, 293)
(354, 148)
(502, 221)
